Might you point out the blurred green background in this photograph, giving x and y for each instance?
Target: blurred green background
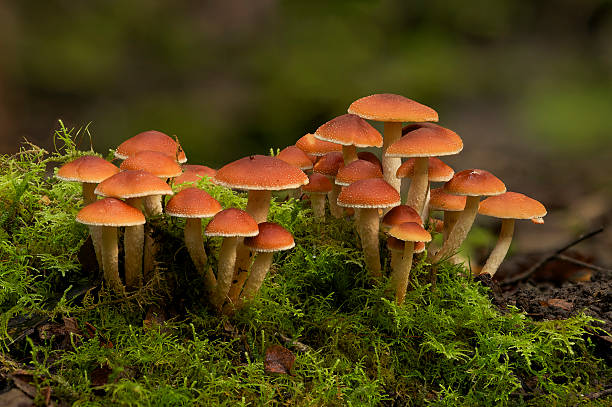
(527, 84)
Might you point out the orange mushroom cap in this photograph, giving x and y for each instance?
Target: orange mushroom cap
(357, 170)
(110, 212)
(440, 200)
(388, 107)
(159, 164)
(475, 183)
(329, 164)
(512, 205)
(426, 142)
(89, 168)
(260, 172)
(151, 140)
(232, 222)
(349, 130)
(410, 232)
(312, 145)
(132, 184)
(193, 203)
(369, 193)
(438, 171)
(296, 157)
(318, 184)
(272, 237)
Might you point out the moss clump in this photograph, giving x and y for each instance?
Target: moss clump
(447, 346)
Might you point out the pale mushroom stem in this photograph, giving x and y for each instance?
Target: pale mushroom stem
(349, 153)
(418, 186)
(461, 229)
(318, 206)
(368, 229)
(332, 196)
(133, 241)
(259, 269)
(392, 133)
(501, 248)
(450, 218)
(195, 245)
(110, 259)
(95, 231)
(425, 211)
(396, 258)
(153, 205)
(399, 279)
(225, 271)
(259, 205)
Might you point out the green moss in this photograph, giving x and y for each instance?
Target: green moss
(444, 346)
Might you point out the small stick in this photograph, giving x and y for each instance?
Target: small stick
(582, 263)
(539, 264)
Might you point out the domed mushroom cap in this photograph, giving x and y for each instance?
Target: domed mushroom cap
(438, 171)
(349, 130)
(312, 145)
(132, 184)
(89, 168)
(272, 237)
(329, 164)
(159, 164)
(296, 157)
(260, 172)
(401, 214)
(110, 212)
(426, 142)
(512, 205)
(371, 157)
(151, 140)
(193, 203)
(440, 200)
(475, 183)
(194, 173)
(318, 184)
(232, 222)
(388, 107)
(357, 170)
(410, 232)
(398, 245)
(369, 193)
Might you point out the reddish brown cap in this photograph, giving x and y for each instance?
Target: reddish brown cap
(110, 212)
(194, 173)
(132, 184)
(388, 107)
(438, 171)
(398, 245)
(329, 164)
(193, 203)
(153, 141)
(349, 130)
(410, 232)
(232, 222)
(89, 168)
(426, 142)
(512, 205)
(440, 200)
(260, 172)
(272, 237)
(475, 183)
(311, 145)
(158, 164)
(296, 157)
(357, 170)
(201, 170)
(369, 193)
(371, 157)
(318, 184)
(401, 214)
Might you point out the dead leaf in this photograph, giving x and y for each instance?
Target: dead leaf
(559, 303)
(99, 376)
(278, 359)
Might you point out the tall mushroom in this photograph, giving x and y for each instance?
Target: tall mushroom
(393, 110)
(397, 215)
(507, 207)
(151, 140)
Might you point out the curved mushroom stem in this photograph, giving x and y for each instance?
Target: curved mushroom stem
(259, 205)
(259, 269)
(419, 184)
(450, 218)
(392, 133)
(461, 229)
(332, 196)
(501, 248)
(399, 278)
(349, 153)
(94, 231)
(225, 271)
(110, 259)
(133, 242)
(195, 246)
(318, 206)
(368, 230)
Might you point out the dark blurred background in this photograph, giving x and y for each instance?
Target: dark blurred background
(527, 84)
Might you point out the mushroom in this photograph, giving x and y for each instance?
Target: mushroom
(396, 247)
(397, 215)
(232, 224)
(110, 213)
(192, 173)
(371, 157)
(151, 140)
(193, 204)
(473, 184)
(368, 195)
(318, 186)
(357, 170)
(451, 205)
(508, 207)
(329, 165)
(392, 110)
(350, 131)
(296, 157)
(409, 232)
(313, 146)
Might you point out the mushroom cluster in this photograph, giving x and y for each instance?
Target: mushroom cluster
(324, 164)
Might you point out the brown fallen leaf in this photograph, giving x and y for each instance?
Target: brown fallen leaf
(99, 376)
(278, 359)
(559, 303)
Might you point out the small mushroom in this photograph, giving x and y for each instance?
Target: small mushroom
(451, 205)
(328, 165)
(192, 173)
(318, 187)
(151, 140)
(396, 247)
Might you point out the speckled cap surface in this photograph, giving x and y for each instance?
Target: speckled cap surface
(158, 164)
(151, 140)
(426, 142)
(357, 170)
(296, 157)
(437, 170)
(369, 156)
(512, 205)
(319, 184)
(440, 200)
(232, 222)
(349, 130)
(193, 203)
(329, 164)
(312, 145)
(369, 193)
(388, 107)
(260, 172)
(475, 183)
(89, 168)
(401, 214)
(272, 237)
(132, 184)
(110, 212)
(410, 232)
